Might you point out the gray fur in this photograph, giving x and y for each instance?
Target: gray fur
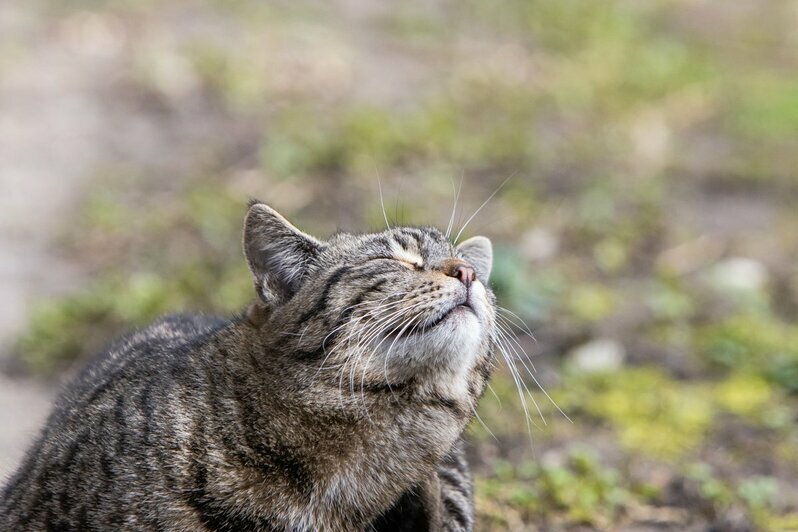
(336, 402)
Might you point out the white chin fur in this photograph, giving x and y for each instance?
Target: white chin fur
(451, 347)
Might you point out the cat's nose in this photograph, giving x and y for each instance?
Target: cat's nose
(461, 271)
(466, 275)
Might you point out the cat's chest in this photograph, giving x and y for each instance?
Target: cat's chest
(400, 456)
(345, 488)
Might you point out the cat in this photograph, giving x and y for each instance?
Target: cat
(337, 401)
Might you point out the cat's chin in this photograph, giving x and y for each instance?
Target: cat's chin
(458, 330)
(453, 344)
(446, 347)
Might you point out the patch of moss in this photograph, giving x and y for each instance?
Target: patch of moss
(779, 522)
(478, 126)
(756, 495)
(669, 303)
(237, 82)
(757, 343)
(758, 492)
(652, 413)
(743, 394)
(765, 106)
(580, 492)
(710, 488)
(590, 302)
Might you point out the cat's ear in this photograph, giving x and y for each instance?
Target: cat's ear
(477, 251)
(277, 252)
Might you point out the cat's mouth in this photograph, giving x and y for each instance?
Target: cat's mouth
(462, 308)
(456, 310)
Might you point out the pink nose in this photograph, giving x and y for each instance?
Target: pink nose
(465, 274)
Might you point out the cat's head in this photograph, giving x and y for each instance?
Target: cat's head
(400, 306)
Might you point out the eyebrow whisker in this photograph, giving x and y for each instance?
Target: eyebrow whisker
(454, 207)
(382, 202)
(481, 206)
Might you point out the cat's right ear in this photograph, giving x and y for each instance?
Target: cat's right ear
(277, 252)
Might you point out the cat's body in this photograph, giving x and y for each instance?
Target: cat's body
(319, 410)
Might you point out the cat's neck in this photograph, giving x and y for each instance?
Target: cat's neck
(358, 448)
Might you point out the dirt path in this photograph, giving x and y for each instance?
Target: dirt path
(63, 117)
(49, 124)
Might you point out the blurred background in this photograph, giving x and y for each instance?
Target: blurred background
(648, 236)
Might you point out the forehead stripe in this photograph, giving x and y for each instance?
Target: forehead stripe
(402, 240)
(408, 256)
(415, 233)
(335, 278)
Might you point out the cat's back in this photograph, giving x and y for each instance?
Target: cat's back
(154, 357)
(168, 344)
(103, 423)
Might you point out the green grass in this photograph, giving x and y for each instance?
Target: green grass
(581, 491)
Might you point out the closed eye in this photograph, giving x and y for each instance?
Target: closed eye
(411, 265)
(407, 264)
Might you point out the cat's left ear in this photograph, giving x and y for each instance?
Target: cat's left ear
(477, 251)
(277, 252)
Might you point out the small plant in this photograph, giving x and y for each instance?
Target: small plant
(581, 491)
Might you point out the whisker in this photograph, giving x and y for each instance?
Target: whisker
(382, 202)
(387, 357)
(362, 388)
(476, 415)
(369, 313)
(460, 232)
(532, 376)
(374, 331)
(454, 207)
(492, 222)
(396, 203)
(507, 344)
(514, 340)
(518, 386)
(387, 354)
(517, 377)
(494, 394)
(381, 324)
(522, 323)
(553, 402)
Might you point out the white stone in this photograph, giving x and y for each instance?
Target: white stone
(739, 274)
(598, 355)
(539, 244)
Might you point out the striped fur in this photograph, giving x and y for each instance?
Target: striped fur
(337, 402)
(456, 491)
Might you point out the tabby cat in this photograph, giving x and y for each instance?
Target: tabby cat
(336, 402)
